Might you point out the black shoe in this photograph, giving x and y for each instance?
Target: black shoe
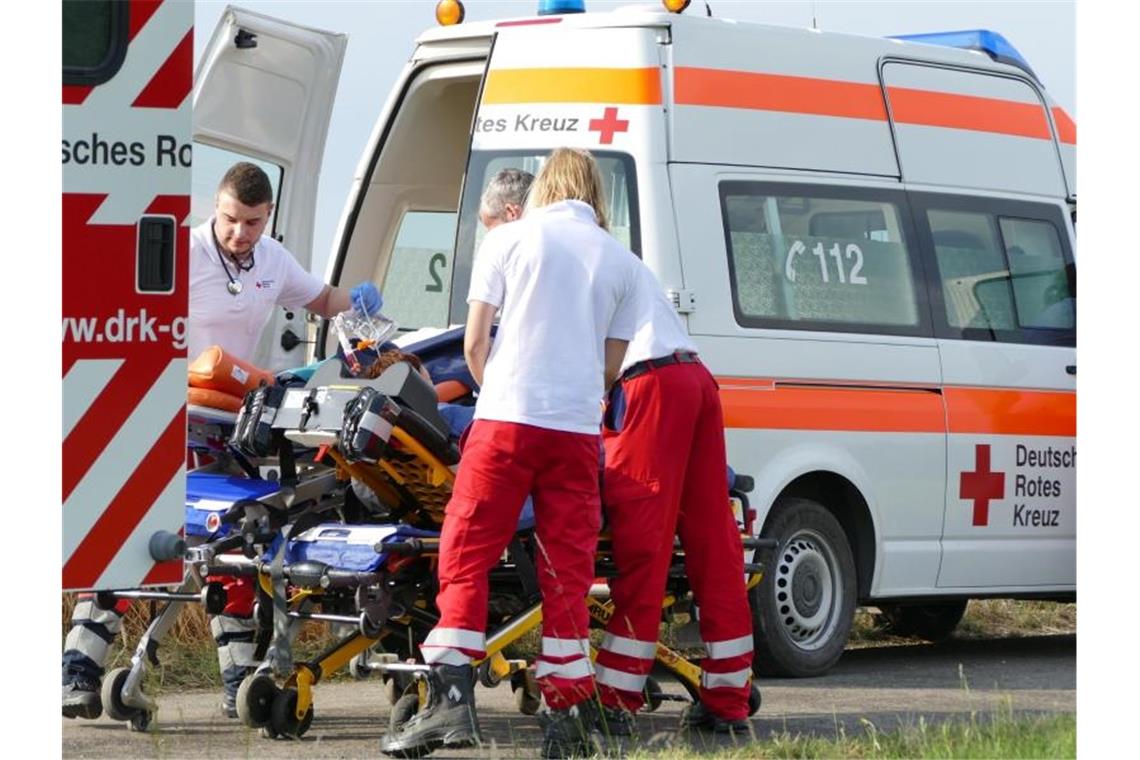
(614, 721)
(571, 732)
(81, 698)
(231, 682)
(700, 718)
(448, 720)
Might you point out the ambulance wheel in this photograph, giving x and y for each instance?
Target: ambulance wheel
(652, 693)
(255, 698)
(933, 622)
(803, 608)
(527, 697)
(112, 695)
(753, 699)
(405, 707)
(284, 720)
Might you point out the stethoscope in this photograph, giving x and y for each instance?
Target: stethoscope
(234, 285)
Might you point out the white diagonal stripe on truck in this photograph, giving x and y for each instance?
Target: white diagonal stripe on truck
(133, 561)
(117, 461)
(84, 382)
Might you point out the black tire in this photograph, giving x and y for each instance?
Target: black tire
(284, 720)
(652, 694)
(803, 609)
(112, 695)
(405, 707)
(358, 666)
(255, 698)
(933, 622)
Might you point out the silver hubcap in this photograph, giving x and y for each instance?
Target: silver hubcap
(806, 590)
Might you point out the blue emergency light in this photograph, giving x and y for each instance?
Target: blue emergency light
(552, 7)
(991, 43)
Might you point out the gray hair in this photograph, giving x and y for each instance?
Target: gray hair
(508, 186)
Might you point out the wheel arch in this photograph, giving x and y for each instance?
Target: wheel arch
(845, 501)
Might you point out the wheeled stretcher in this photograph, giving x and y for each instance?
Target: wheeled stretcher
(387, 435)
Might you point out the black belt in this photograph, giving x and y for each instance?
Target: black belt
(677, 357)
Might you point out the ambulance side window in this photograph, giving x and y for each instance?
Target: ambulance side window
(1002, 271)
(417, 288)
(95, 36)
(818, 258)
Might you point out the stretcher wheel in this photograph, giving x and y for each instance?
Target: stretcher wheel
(112, 694)
(527, 696)
(284, 720)
(395, 684)
(753, 699)
(402, 711)
(652, 692)
(487, 675)
(255, 699)
(358, 667)
(213, 597)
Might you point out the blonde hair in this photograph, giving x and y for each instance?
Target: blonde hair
(570, 174)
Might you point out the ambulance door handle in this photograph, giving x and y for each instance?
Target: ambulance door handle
(1071, 369)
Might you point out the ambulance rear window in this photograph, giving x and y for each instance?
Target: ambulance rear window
(94, 40)
(821, 258)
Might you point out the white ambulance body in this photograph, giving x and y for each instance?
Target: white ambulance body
(870, 240)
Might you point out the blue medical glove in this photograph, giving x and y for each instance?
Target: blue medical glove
(366, 299)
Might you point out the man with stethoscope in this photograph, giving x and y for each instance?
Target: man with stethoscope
(238, 275)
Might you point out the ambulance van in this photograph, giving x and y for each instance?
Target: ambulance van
(871, 241)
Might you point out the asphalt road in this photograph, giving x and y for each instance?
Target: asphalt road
(888, 686)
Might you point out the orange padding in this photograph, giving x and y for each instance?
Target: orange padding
(214, 369)
(449, 390)
(213, 399)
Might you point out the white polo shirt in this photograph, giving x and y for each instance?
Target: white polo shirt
(564, 285)
(218, 317)
(661, 331)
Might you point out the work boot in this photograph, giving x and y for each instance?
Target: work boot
(616, 721)
(231, 682)
(81, 698)
(571, 732)
(700, 718)
(448, 720)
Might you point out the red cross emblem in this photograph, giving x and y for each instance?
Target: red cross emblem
(608, 125)
(981, 485)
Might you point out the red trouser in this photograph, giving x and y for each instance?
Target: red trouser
(502, 463)
(665, 474)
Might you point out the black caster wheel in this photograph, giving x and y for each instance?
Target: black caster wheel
(652, 692)
(267, 732)
(255, 700)
(112, 695)
(358, 667)
(284, 720)
(213, 598)
(487, 675)
(141, 721)
(753, 699)
(527, 696)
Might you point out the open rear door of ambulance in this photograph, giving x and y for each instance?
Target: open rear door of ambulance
(264, 92)
(126, 195)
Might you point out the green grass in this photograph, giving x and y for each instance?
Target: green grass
(1000, 735)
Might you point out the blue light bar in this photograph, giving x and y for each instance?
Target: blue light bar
(552, 7)
(992, 44)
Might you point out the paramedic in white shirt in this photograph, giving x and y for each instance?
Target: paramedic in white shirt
(238, 275)
(569, 299)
